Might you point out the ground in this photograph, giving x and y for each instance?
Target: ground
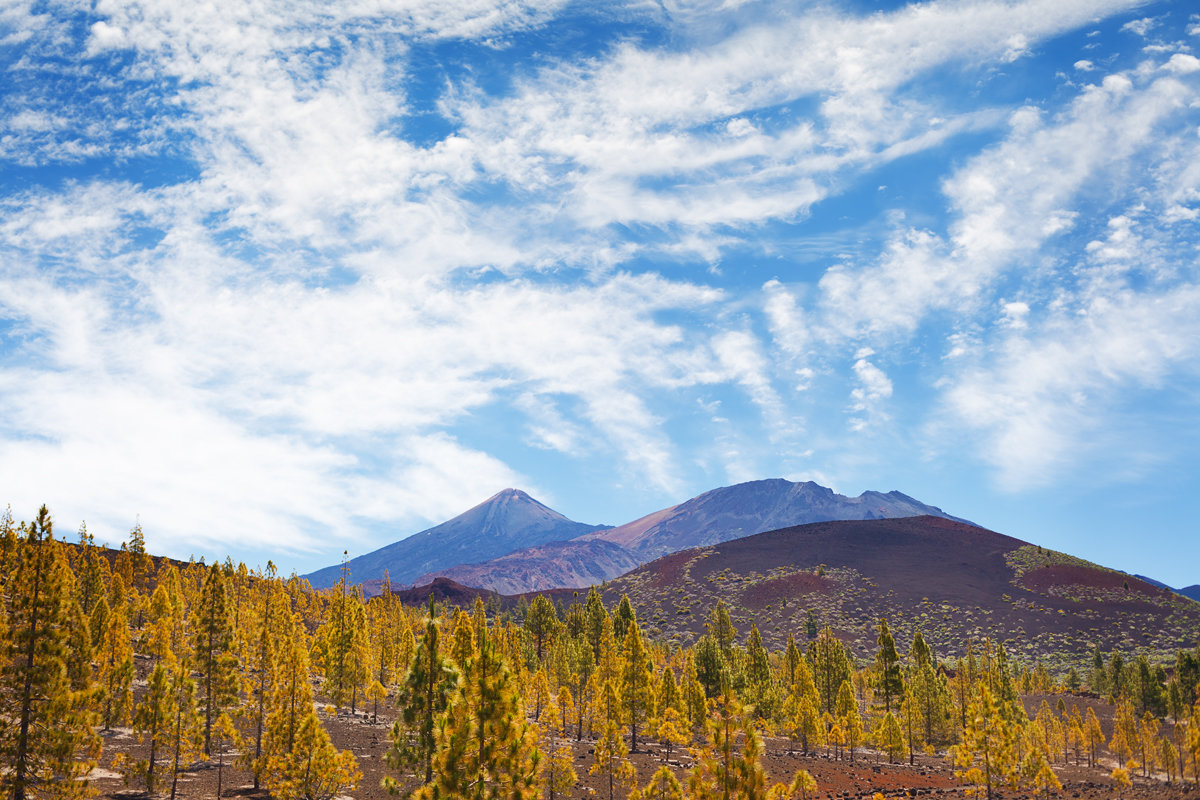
(870, 772)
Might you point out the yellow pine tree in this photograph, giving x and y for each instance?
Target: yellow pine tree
(560, 763)
(637, 682)
(889, 738)
(566, 708)
(1093, 736)
(663, 785)
(48, 744)
(798, 789)
(300, 761)
(985, 757)
(152, 720)
(258, 664)
(114, 673)
(722, 770)
(186, 726)
(849, 718)
(611, 760)
(1124, 742)
(671, 731)
(462, 643)
(485, 748)
(213, 647)
(538, 692)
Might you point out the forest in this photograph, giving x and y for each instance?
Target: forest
(244, 672)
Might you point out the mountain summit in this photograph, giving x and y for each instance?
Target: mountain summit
(507, 521)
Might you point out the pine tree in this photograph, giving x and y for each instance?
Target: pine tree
(986, 755)
(462, 641)
(720, 628)
(693, 694)
(152, 718)
(637, 682)
(667, 694)
(663, 785)
(485, 749)
(595, 621)
(802, 787)
(115, 672)
(849, 718)
(258, 674)
(300, 761)
(888, 679)
(213, 646)
(671, 731)
(1094, 736)
(187, 725)
(560, 764)
(538, 693)
(721, 771)
(48, 745)
(611, 760)
(760, 686)
(889, 738)
(831, 667)
(423, 696)
(542, 625)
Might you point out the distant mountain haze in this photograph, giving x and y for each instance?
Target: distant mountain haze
(595, 554)
(507, 521)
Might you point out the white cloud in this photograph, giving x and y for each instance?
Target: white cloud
(1140, 26)
(1182, 64)
(1009, 201)
(104, 37)
(873, 387)
(1083, 65)
(1043, 400)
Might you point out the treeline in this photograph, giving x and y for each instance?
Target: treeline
(487, 705)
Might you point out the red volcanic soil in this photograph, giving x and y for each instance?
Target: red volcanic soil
(958, 562)
(786, 587)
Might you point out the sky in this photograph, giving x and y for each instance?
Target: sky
(285, 277)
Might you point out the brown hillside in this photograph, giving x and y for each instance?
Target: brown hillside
(954, 581)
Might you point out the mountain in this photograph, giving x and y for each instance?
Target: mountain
(744, 509)
(716, 516)
(508, 521)
(954, 581)
(537, 569)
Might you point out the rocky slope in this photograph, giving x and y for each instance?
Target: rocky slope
(508, 521)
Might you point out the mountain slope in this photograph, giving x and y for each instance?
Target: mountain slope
(507, 521)
(556, 565)
(716, 516)
(953, 581)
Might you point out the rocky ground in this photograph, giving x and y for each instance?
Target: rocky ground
(868, 774)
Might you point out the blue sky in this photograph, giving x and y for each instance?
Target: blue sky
(299, 277)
